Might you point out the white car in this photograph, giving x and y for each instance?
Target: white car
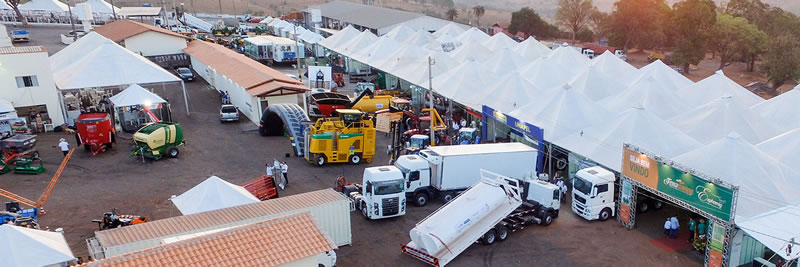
(228, 113)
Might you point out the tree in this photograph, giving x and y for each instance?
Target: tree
(451, 14)
(638, 23)
(526, 20)
(478, 11)
(599, 22)
(574, 14)
(692, 21)
(14, 4)
(782, 62)
(734, 36)
(754, 11)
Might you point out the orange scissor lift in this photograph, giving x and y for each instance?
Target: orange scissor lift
(39, 204)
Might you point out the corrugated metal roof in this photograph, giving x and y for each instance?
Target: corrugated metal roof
(364, 15)
(268, 243)
(21, 49)
(204, 220)
(245, 72)
(120, 30)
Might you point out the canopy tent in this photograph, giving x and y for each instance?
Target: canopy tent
(5, 41)
(500, 41)
(310, 37)
(458, 83)
(345, 35)
(562, 112)
(358, 43)
(602, 142)
(400, 33)
(718, 118)
(651, 94)
(663, 73)
(764, 183)
(504, 61)
(785, 148)
(511, 92)
(6, 107)
(100, 6)
(405, 54)
(30, 247)
(775, 230)
(597, 84)
(135, 95)
(4, 6)
(451, 29)
(377, 51)
(422, 39)
(553, 71)
(532, 49)
(212, 194)
(44, 5)
(472, 35)
(715, 86)
(782, 109)
(416, 71)
(609, 64)
(470, 51)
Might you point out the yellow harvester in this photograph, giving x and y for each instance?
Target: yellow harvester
(350, 137)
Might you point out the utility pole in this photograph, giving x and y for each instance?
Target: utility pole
(220, 6)
(430, 88)
(72, 22)
(113, 11)
(297, 55)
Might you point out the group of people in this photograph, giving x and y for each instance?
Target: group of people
(562, 188)
(696, 228)
(280, 169)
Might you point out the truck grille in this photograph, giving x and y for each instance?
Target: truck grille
(391, 206)
(580, 199)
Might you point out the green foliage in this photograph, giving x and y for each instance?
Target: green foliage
(754, 11)
(734, 37)
(478, 11)
(599, 22)
(526, 20)
(574, 14)
(451, 14)
(782, 62)
(585, 35)
(639, 23)
(692, 22)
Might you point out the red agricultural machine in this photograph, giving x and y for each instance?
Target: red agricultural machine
(95, 131)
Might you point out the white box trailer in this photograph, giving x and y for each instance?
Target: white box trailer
(330, 209)
(448, 170)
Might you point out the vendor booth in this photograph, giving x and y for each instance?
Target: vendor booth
(499, 127)
(131, 108)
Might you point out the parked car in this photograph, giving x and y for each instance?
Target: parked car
(228, 113)
(185, 74)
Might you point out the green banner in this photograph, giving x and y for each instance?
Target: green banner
(704, 195)
(717, 237)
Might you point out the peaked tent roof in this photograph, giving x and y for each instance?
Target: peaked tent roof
(532, 49)
(451, 29)
(44, 5)
(470, 51)
(773, 229)
(472, 35)
(718, 118)
(420, 38)
(400, 33)
(785, 148)
(715, 86)
(782, 109)
(651, 94)
(30, 247)
(602, 142)
(764, 183)
(562, 112)
(5, 41)
(596, 84)
(663, 73)
(100, 6)
(358, 43)
(512, 91)
(6, 106)
(500, 41)
(376, 51)
(609, 64)
(555, 70)
(345, 35)
(3, 5)
(100, 62)
(135, 95)
(416, 70)
(405, 54)
(212, 194)
(468, 78)
(505, 60)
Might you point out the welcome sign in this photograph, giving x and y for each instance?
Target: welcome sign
(704, 195)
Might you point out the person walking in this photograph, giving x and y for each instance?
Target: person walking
(674, 225)
(269, 170)
(563, 189)
(667, 227)
(64, 146)
(692, 226)
(285, 171)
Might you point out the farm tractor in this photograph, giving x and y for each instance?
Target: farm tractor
(20, 155)
(350, 137)
(112, 219)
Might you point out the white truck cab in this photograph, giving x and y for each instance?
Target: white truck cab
(382, 194)
(416, 172)
(593, 193)
(588, 53)
(620, 53)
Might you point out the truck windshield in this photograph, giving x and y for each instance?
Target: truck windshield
(389, 187)
(582, 185)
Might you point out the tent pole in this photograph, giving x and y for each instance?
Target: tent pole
(185, 98)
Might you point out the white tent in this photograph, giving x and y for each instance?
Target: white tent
(416, 71)
(500, 41)
(716, 119)
(44, 5)
(100, 6)
(504, 61)
(775, 229)
(400, 33)
(602, 142)
(782, 109)
(373, 53)
(99, 62)
(359, 42)
(458, 83)
(345, 35)
(310, 37)
(562, 112)
(651, 94)
(473, 35)
(7, 107)
(406, 54)
(212, 194)
(532, 49)
(470, 51)
(715, 86)
(421, 39)
(4, 6)
(512, 91)
(785, 148)
(663, 73)
(596, 85)
(611, 65)
(764, 183)
(5, 41)
(558, 68)
(451, 29)
(30, 247)
(135, 95)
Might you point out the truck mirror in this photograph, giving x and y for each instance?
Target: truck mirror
(369, 188)
(594, 192)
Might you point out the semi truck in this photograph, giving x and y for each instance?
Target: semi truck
(488, 212)
(380, 194)
(594, 195)
(447, 170)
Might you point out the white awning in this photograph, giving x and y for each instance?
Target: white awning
(212, 194)
(30, 247)
(135, 95)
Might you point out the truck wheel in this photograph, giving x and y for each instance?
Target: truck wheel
(355, 159)
(489, 237)
(87, 147)
(644, 207)
(658, 204)
(172, 152)
(420, 199)
(547, 219)
(448, 196)
(320, 160)
(503, 233)
(364, 210)
(605, 214)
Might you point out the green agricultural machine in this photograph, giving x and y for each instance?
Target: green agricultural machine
(20, 155)
(156, 140)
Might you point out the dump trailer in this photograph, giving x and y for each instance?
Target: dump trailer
(157, 139)
(447, 170)
(488, 212)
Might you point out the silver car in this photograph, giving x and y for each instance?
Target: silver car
(228, 113)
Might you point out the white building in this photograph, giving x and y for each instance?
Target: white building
(28, 83)
(157, 44)
(251, 86)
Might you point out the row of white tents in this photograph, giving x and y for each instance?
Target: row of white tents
(287, 29)
(55, 6)
(591, 107)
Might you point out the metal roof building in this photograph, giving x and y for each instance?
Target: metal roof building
(379, 20)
